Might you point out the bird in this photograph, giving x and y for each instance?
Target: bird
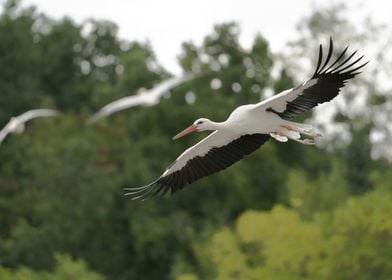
(17, 124)
(146, 98)
(248, 127)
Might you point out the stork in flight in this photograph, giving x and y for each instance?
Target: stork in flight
(250, 126)
(149, 97)
(17, 124)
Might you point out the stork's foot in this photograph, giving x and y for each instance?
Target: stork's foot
(306, 141)
(314, 134)
(303, 129)
(279, 137)
(294, 131)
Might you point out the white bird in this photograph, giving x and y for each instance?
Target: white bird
(250, 126)
(148, 98)
(17, 124)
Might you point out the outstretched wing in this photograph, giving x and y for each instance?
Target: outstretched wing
(117, 105)
(4, 132)
(151, 96)
(37, 113)
(214, 153)
(324, 85)
(160, 89)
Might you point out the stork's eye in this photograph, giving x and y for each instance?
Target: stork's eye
(199, 122)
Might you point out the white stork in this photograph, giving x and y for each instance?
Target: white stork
(148, 98)
(250, 126)
(17, 124)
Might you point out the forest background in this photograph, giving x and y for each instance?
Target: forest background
(286, 212)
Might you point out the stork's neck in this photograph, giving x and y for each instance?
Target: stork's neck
(211, 125)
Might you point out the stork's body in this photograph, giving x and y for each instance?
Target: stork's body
(246, 120)
(250, 126)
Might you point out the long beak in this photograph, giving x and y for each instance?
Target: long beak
(186, 131)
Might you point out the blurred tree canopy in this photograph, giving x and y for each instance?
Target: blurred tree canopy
(286, 212)
(351, 242)
(65, 269)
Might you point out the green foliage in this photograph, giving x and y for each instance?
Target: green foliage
(270, 245)
(61, 181)
(353, 242)
(187, 277)
(65, 269)
(356, 155)
(361, 241)
(323, 193)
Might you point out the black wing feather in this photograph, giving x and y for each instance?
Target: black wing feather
(329, 54)
(215, 160)
(329, 81)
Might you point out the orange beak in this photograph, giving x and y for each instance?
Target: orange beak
(186, 131)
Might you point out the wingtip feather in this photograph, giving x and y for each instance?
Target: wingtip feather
(320, 58)
(330, 51)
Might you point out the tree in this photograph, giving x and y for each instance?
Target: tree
(61, 182)
(66, 268)
(353, 242)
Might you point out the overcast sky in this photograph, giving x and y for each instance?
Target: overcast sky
(166, 24)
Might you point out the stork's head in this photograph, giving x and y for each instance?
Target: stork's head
(199, 125)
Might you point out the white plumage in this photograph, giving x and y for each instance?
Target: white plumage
(17, 124)
(149, 97)
(250, 126)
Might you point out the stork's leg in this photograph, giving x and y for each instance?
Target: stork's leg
(305, 141)
(303, 129)
(293, 131)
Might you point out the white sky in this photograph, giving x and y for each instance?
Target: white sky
(168, 23)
